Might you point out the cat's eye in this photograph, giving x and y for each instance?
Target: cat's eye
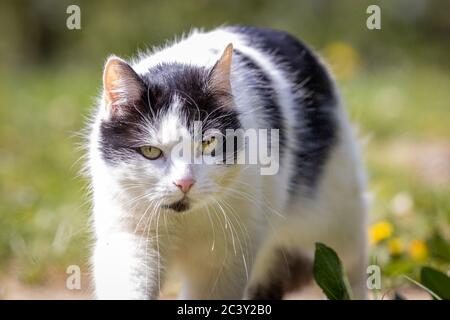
(209, 145)
(150, 152)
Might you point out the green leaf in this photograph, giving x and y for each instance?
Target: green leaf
(436, 281)
(435, 296)
(440, 248)
(329, 274)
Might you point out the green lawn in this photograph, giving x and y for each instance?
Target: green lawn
(42, 205)
(403, 120)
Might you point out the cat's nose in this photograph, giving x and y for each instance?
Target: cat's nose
(185, 184)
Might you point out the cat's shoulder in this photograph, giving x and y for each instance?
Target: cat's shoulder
(197, 48)
(200, 47)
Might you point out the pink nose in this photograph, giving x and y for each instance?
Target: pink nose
(185, 184)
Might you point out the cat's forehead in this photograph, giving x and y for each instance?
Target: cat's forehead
(172, 125)
(181, 95)
(169, 80)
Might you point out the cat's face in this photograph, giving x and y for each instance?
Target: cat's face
(148, 119)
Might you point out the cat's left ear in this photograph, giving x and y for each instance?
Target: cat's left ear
(121, 84)
(221, 72)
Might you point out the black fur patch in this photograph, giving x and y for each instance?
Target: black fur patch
(179, 206)
(317, 126)
(271, 108)
(200, 102)
(120, 134)
(287, 272)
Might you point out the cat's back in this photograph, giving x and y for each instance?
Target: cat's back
(290, 54)
(304, 98)
(200, 48)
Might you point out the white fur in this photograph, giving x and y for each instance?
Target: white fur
(221, 247)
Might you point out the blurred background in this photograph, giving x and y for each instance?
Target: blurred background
(395, 82)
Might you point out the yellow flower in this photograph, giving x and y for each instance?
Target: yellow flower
(343, 59)
(380, 231)
(418, 250)
(395, 246)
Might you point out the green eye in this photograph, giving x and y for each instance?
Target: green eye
(209, 145)
(150, 152)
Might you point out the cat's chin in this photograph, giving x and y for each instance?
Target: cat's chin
(182, 205)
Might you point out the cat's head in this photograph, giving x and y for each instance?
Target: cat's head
(147, 117)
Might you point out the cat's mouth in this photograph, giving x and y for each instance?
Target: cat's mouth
(179, 206)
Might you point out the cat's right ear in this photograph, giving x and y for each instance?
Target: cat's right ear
(122, 86)
(221, 72)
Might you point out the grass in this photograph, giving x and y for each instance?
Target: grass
(41, 203)
(44, 218)
(403, 118)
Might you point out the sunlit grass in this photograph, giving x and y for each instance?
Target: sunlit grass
(403, 116)
(43, 219)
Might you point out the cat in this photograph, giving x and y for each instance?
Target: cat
(227, 230)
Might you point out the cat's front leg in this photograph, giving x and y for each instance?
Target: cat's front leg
(278, 270)
(125, 267)
(216, 284)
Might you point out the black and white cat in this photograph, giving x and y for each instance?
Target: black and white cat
(228, 230)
